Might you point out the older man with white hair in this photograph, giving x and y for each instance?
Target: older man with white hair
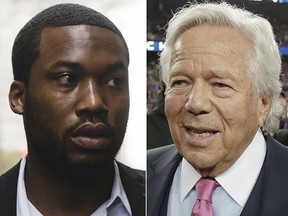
(221, 66)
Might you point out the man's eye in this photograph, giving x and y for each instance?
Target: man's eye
(220, 85)
(67, 79)
(179, 83)
(116, 82)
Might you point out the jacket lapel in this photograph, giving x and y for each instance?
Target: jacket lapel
(160, 177)
(8, 191)
(254, 203)
(270, 193)
(134, 185)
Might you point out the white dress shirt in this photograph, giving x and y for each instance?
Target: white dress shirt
(117, 205)
(236, 183)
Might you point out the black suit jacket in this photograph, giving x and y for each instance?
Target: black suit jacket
(269, 196)
(282, 136)
(133, 182)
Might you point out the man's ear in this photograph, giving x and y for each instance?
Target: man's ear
(264, 107)
(17, 97)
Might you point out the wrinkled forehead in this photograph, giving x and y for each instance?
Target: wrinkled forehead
(211, 45)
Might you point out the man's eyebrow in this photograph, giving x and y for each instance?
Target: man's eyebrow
(109, 68)
(115, 66)
(68, 64)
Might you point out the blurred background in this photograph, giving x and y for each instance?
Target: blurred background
(159, 12)
(13, 16)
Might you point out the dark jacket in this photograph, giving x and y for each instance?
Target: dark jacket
(133, 182)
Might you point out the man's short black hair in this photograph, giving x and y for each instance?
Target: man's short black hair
(26, 45)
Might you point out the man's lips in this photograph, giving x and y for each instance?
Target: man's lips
(92, 136)
(200, 132)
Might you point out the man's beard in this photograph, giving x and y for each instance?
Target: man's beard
(51, 148)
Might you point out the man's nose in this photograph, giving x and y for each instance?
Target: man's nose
(199, 99)
(90, 98)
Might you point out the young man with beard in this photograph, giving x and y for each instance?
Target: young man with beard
(70, 66)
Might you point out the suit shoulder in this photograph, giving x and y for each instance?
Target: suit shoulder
(131, 172)
(277, 145)
(282, 136)
(153, 154)
(8, 191)
(277, 150)
(9, 177)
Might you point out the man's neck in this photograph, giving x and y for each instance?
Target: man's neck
(54, 194)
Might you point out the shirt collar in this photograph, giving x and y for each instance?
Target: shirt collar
(239, 180)
(24, 207)
(118, 191)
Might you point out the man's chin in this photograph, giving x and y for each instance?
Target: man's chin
(86, 170)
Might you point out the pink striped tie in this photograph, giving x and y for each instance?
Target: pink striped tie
(203, 205)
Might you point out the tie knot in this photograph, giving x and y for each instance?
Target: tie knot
(205, 188)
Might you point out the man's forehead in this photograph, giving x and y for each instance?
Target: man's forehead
(75, 29)
(78, 34)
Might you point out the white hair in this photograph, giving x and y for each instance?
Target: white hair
(265, 63)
